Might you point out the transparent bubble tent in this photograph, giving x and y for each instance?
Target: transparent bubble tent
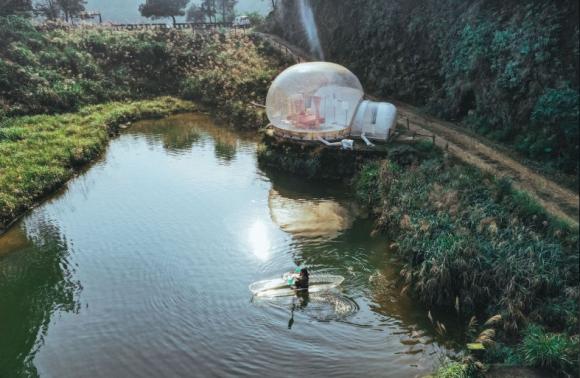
(310, 101)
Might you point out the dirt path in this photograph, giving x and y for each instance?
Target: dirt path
(556, 199)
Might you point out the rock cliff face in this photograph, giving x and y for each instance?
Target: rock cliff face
(508, 69)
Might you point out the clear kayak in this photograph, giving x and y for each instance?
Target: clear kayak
(282, 286)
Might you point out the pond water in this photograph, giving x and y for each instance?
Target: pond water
(141, 267)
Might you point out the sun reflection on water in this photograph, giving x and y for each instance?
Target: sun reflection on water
(259, 239)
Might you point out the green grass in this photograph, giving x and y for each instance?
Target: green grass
(45, 71)
(549, 350)
(453, 369)
(54, 71)
(39, 153)
(471, 242)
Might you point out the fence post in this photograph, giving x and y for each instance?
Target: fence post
(408, 126)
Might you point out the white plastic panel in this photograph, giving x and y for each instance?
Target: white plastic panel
(374, 119)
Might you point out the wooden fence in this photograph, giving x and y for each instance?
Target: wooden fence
(196, 26)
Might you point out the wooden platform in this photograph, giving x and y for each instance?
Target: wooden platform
(310, 134)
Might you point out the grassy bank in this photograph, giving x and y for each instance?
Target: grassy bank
(49, 70)
(472, 244)
(45, 69)
(39, 153)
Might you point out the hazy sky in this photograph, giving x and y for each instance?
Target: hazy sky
(125, 11)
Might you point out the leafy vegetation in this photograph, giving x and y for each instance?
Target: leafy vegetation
(163, 8)
(236, 77)
(49, 69)
(549, 350)
(454, 369)
(39, 153)
(508, 71)
(60, 70)
(21, 7)
(472, 243)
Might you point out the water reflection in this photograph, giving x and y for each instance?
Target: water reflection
(225, 152)
(35, 283)
(176, 137)
(308, 218)
(179, 133)
(259, 240)
(310, 210)
(325, 306)
(13, 240)
(331, 237)
(162, 242)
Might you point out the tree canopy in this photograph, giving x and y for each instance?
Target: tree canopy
(71, 8)
(226, 8)
(195, 14)
(47, 8)
(208, 7)
(8, 7)
(163, 8)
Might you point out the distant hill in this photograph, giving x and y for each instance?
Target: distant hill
(127, 11)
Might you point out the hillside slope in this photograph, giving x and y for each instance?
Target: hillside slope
(507, 70)
(556, 199)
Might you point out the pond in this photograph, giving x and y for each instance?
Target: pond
(141, 267)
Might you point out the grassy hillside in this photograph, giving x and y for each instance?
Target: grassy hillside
(57, 71)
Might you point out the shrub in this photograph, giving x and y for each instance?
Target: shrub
(61, 70)
(467, 239)
(368, 184)
(549, 350)
(453, 369)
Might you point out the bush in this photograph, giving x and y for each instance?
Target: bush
(555, 134)
(549, 350)
(453, 369)
(367, 188)
(467, 239)
(59, 71)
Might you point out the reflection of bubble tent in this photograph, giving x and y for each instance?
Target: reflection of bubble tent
(308, 218)
(323, 100)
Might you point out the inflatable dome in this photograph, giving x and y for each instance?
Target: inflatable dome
(312, 100)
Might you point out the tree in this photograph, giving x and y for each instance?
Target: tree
(8, 7)
(194, 14)
(71, 8)
(209, 9)
(274, 4)
(163, 8)
(255, 18)
(48, 9)
(227, 9)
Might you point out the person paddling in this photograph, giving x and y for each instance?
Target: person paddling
(301, 280)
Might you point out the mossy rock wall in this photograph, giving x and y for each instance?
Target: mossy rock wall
(315, 160)
(308, 159)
